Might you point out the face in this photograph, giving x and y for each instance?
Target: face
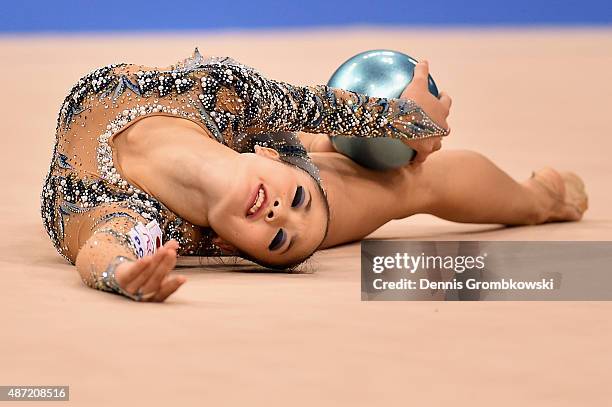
(276, 212)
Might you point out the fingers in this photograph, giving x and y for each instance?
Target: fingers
(418, 159)
(168, 286)
(437, 146)
(128, 272)
(162, 268)
(143, 274)
(421, 73)
(141, 270)
(445, 100)
(424, 148)
(149, 274)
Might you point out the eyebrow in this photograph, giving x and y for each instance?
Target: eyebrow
(294, 238)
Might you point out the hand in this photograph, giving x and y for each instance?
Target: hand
(437, 109)
(150, 274)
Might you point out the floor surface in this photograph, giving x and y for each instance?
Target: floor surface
(524, 98)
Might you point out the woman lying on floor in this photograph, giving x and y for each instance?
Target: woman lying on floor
(213, 159)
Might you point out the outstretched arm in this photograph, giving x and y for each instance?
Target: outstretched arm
(111, 257)
(243, 100)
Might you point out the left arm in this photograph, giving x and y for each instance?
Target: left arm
(244, 101)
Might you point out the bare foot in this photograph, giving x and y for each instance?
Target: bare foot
(562, 195)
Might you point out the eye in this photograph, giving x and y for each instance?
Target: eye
(278, 240)
(299, 197)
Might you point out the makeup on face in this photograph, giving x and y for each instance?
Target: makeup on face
(281, 236)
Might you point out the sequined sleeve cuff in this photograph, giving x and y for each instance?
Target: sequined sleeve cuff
(111, 237)
(352, 114)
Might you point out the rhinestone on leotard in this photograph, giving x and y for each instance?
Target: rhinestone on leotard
(238, 106)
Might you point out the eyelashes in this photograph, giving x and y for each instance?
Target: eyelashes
(298, 199)
(278, 240)
(281, 236)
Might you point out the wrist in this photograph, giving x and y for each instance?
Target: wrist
(108, 277)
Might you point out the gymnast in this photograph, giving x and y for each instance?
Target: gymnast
(207, 157)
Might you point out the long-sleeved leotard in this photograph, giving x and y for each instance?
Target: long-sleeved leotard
(87, 204)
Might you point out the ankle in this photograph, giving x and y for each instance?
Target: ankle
(541, 202)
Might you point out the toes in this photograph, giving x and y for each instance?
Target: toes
(575, 179)
(568, 190)
(574, 213)
(576, 196)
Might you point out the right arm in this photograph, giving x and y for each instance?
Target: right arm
(417, 90)
(109, 261)
(248, 102)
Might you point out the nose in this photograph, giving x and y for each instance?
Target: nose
(275, 211)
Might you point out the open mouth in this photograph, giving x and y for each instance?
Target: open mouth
(256, 202)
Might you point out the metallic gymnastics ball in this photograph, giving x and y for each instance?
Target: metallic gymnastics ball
(377, 73)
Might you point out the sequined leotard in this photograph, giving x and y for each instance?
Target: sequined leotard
(86, 201)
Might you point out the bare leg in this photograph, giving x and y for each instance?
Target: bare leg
(465, 186)
(458, 185)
